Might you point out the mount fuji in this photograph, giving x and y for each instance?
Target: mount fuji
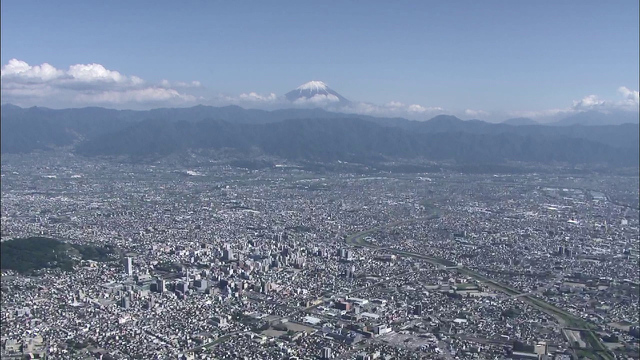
(315, 92)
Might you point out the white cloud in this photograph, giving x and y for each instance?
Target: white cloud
(547, 113)
(363, 108)
(629, 102)
(415, 108)
(134, 95)
(94, 72)
(631, 97)
(589, 102)
(255, 97)
(392, 109)
(272, 101)
(394, 105)
(136, 80)
(180, 84)
(84, 84)
(20, 70)
(250, 100)
(475, 113)
(19, 90)
(318, 100)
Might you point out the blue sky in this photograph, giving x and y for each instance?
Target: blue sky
(493, 59)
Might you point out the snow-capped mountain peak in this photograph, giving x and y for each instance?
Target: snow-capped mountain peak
(313, 85)
(315, 93)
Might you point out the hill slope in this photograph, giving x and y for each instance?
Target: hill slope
(351, 140)
(25, 255)
(313, 133)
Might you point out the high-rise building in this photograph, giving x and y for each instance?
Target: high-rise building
(227, 254)
(326, 353)
(183, 287)
(417, 309)
(128, 266)
(125, 302)
(161, 285)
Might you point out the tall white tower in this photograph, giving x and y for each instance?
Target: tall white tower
(128, 266)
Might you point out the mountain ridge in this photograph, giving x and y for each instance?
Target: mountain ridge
(31, 129)
(353, 140)
(585, 118)
(520, 121)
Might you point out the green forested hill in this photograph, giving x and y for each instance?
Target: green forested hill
(33, 253)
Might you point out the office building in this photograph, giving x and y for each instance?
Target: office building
(417, 310)
(183, 287)
(128, 266)
(227, 254)
(125, 302)
(161, 285)
(326, 353)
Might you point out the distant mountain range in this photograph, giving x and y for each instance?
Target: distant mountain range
(591, 118)
(312, 134)
(520, 121)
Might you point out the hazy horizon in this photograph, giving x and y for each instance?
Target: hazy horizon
(491, 61)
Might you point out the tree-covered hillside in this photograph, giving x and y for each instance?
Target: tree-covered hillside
(34, 253)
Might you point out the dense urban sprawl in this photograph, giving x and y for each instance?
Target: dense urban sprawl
(281, 263)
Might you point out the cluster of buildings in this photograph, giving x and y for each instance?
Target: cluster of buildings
(221, 262)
